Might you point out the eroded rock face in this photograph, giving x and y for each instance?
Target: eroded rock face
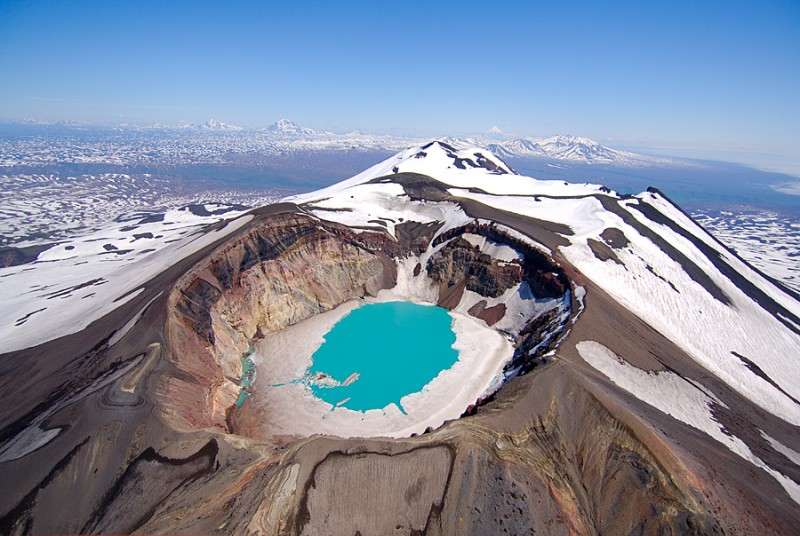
(574, 470)
(273, 276)
(459, 262)
(411, 494)
(543, 275)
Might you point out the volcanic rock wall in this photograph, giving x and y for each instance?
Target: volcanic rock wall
(275, 275)
(459, 266)
(545, 278)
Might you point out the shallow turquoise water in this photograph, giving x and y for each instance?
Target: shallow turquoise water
(248, 377)
(396, 348)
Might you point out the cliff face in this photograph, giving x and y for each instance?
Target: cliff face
(273, 276)
(458, 266)
(488, 276)
(461, 263)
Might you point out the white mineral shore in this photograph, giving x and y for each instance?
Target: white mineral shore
(282, 359)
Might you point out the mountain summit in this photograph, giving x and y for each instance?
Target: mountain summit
(286, 127)
(213, 124)
(570, 148)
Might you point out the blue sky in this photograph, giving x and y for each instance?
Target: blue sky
(722, 76)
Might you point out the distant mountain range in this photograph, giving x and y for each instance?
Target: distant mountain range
(287, 136)
(575, 149)
(570, 148)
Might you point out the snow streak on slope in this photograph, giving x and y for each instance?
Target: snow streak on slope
(381, 206)
(678, 398)
(78, 281)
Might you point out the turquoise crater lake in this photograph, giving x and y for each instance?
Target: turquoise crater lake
(381, 352)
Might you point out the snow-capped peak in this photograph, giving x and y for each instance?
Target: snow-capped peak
(290, 128)
(451, 161)
(569, 140)
(213, 124)
(564, 147)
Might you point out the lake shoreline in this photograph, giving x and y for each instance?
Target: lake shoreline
(290, 408)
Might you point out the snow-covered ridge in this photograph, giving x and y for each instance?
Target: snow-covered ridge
(457, 163)
(569, 148)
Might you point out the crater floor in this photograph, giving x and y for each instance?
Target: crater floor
(285, 406)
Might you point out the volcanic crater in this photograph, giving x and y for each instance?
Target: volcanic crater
(287, 272)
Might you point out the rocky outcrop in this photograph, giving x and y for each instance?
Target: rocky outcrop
(545, 277)
(603, 252)
(459, 262)
(490, 315)
(13, 256)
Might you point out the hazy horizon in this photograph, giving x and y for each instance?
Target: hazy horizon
(752, 157)
(720, 77)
